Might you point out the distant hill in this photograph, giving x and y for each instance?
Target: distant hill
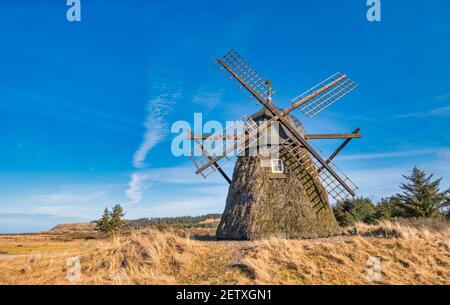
(70, 228)
(88, 228)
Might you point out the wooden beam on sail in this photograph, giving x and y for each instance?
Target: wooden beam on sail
(333, 136)
(312, 95)
(312, 136)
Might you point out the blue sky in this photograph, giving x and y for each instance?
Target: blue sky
(75, 97)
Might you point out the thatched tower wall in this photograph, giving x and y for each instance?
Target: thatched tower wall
(261, 204)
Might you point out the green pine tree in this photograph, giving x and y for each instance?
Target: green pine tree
(117, 221)
(421, 196)
(104, 223)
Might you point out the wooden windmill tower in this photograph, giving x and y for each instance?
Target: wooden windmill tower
(287, 194)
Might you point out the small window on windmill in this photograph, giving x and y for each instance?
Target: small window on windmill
(277, 166)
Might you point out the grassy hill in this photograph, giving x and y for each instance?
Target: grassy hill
(409, 253)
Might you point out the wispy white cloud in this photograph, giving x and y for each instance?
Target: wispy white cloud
(441, 111)
(65, 197)
(81, 201)
(436, 112)
(85, 200)
(156, 129)
(176, 176)
(184, 174)
(135, 189)
(190, 205)
(392, 154)
(55, 109)
(66, 210)
(376, 183)
(208, 100)
(442, 97)
(219, 190)
(32, 222)
(156, 126)
(444, 153)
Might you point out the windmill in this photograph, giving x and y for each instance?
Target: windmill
(287, 194)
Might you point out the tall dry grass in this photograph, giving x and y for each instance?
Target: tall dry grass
(409, 254)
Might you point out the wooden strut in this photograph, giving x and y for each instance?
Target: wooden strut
(314, 136)
(280, 116)
(338, 150)
(219, 169)
(333, 136)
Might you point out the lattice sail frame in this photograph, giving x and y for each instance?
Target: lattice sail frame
(248, 138)
(315, 169)
(248, 74)
(327, 97)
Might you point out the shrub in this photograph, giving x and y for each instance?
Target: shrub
(349, 211)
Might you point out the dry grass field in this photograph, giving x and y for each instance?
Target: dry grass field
(409, 254)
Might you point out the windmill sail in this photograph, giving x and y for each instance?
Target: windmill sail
(247, 74)
(324, 94)
(214, 152)
(306, 163)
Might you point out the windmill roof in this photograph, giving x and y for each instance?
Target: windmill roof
(264, 114)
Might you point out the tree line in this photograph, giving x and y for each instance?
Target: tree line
(179, 221)
(421, 197)
(113, 222)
